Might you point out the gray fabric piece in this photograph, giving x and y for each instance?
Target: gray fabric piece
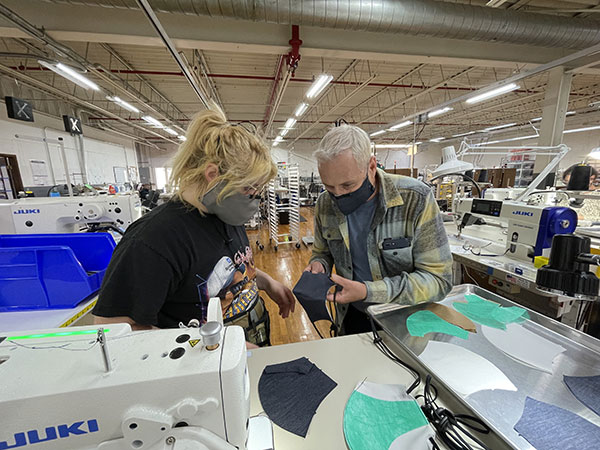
(291, 392)
(311, 291)
(548, 427)
(586, 390)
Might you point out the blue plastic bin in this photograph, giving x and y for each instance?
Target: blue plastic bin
(51, 271)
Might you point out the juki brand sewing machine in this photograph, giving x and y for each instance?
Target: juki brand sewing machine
(86, 388)
(67, 214)
(530, 228)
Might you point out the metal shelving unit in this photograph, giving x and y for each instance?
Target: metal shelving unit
(285, 186)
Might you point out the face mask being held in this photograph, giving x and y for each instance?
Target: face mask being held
(348, 203)
(235, 209)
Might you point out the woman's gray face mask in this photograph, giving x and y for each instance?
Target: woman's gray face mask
(235, 209)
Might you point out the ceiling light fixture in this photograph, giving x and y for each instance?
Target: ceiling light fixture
(301, 109)
(171, 131)
(463, 134)
(289, 123)
(182, 138)
(377, 133)
(440, 139)
(318, 85)
(493, 93)
(499, 127)
(284, 131)
(152, 121)
(123, 104)
(438, 112)
(519, 138)
(70, 74)
(400, 125)
(578, 130)
(392, 145)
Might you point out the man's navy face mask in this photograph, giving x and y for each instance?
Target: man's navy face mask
(348, 203)
(311, 292)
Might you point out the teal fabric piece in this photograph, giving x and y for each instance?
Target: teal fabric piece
(373, 424)
(423, 322)
(490, 314)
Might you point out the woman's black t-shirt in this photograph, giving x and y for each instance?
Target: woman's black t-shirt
(171, 262)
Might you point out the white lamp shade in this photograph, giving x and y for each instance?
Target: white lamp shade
(451, 164)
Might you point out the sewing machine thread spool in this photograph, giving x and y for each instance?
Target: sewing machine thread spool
(211, 335)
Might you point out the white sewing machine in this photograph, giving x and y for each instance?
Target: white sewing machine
(78, 388)
(67, 214)
(529, 228)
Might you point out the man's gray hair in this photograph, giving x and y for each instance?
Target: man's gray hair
(342, 138)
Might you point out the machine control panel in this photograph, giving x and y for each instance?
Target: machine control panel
(486, 207)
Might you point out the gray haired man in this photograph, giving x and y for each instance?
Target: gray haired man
(383, 233)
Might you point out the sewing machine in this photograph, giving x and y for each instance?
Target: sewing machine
(87, 388)
(530, 228)
(67, 214)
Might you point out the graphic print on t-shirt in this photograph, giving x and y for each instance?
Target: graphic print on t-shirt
(233, 282)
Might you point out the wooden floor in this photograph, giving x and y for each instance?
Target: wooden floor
(286, 265)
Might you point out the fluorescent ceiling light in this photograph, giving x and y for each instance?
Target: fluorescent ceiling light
(123, 104)
(464, 134)
(171, 131)
(417, 143)
(438, 112)
(152, 121)
(537, 119)
(284, 131)
(182, 138)
(499, 127)
(493, 93)
(318, 85)
(301, 109)
(71, 75)
(519, 138)
(400, 125)
(377, 133)
(392, 145)
(440, 139)
(290, 123)
(279, 139)
(568, 113)
(578, 130)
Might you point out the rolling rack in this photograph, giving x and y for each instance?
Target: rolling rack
(285, 186)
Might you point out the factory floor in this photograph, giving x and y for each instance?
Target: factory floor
(286, 265)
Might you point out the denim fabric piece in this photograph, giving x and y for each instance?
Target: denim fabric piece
(311, 291)
(586, 390)
(423, 322)
(291, 392)
(548, 427)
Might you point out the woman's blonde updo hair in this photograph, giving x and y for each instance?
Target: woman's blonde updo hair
(243, 158)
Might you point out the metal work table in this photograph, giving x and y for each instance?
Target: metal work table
(347, 360)
(42, 319)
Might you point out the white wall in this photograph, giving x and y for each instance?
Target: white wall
(102, 151)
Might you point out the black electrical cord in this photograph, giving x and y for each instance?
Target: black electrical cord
(383, 348)
(451, 429)
(466, 177)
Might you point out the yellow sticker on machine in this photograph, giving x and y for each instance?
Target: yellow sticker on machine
(193, 342)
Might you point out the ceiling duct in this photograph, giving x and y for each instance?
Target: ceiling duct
(414, 17)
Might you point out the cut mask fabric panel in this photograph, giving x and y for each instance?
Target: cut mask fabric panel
(422, 322)
(291, 392)
(489, 313)
(311, 291)
(524, 346)
(383, 416)
(586, 390)
(464, 371)
(548, 427)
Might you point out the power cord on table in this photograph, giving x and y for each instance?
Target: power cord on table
(450, 428)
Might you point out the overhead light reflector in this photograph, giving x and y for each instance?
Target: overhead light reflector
(464, 134)
(71, 75)
(499, 127)
(438, 112)
(123, 104)
(400, 125)
(440, 139)
(152, 121)
(301, 109)
(182, 138)
(284, 131)
(289, 123)
(578, 130)
(392, 145)
(493, 93)
(318, 85)
(171, 131)
(377, 133)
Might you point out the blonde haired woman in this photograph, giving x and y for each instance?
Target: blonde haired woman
(174, 259)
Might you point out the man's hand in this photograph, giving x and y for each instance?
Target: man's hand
(315, 267)
(352, 291)
(281, 295)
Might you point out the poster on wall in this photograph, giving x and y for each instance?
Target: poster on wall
(133, 175)
(39, 172)
(120, 175)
